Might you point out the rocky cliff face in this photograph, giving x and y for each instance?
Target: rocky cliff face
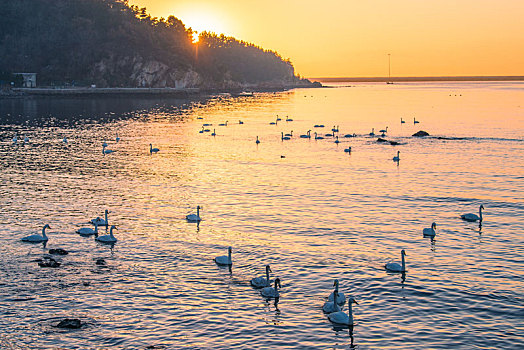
(137, 72)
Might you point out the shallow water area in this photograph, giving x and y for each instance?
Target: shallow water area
(312, 211)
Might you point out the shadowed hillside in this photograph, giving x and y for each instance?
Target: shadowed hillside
(110, 43)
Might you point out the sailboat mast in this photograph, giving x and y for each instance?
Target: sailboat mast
(389, 66)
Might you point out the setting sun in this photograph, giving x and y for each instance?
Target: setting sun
(195, 37)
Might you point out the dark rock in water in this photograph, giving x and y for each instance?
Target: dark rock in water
(86, 283)
(58, 251)
(420, 133)
(48, 262)
(100, 261)
(393, 143)
(71, 323)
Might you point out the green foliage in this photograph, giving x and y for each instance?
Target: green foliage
(65, 40)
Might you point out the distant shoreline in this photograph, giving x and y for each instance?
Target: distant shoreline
(166, 91)
(418, 79)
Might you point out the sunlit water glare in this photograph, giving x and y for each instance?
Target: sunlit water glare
(312, 211)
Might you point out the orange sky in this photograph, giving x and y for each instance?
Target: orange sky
(351, 38)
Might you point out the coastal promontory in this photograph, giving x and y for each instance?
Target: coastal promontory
(110, 43)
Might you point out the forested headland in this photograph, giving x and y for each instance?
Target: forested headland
(113, 44)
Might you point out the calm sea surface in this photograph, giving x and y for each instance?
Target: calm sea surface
(304, 206)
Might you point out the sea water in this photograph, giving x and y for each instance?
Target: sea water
(307, 208)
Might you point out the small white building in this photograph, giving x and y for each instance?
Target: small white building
(29, 79)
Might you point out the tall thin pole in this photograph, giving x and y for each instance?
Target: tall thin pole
(389, 65)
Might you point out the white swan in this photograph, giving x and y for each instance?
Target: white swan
(225, 259)
(87, 231)
(396, 267)
(107, 238)
(223, 124)
(383, 131)
(402, 121)
(37, 238)
(106, 151)
(290, 134)
(372, 133)
(347, 150)
(240, 122)
(117, 138)
(153, 150)
(340, 317)
(337, 141)
(214, 133)
(271, 292)
(415, 121)
(330, 306)
(430, 231)
(341, 299)
(278, 118)
(473, 217)
(101, 222)
(397, 157)
(318, 137)
(288, 119)
(306, 135)
(257, 141)
(282, 137)
(335, 128)
(261, 282)
(194, 217)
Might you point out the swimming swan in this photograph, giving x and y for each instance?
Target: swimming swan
(397, 157)
(307, 135)
(194, 217)
(106, 151)
(341, 299)
(330, 306)
(261, 282)
(153, 150)
(430, 231)
(257, 141)
(396, 267)
(473, 217)
(87, 231)
(271, 292)
(224, 259)
(107, 238)
(340, 317)
(37, 238)
(101, 222)
(372, 133)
